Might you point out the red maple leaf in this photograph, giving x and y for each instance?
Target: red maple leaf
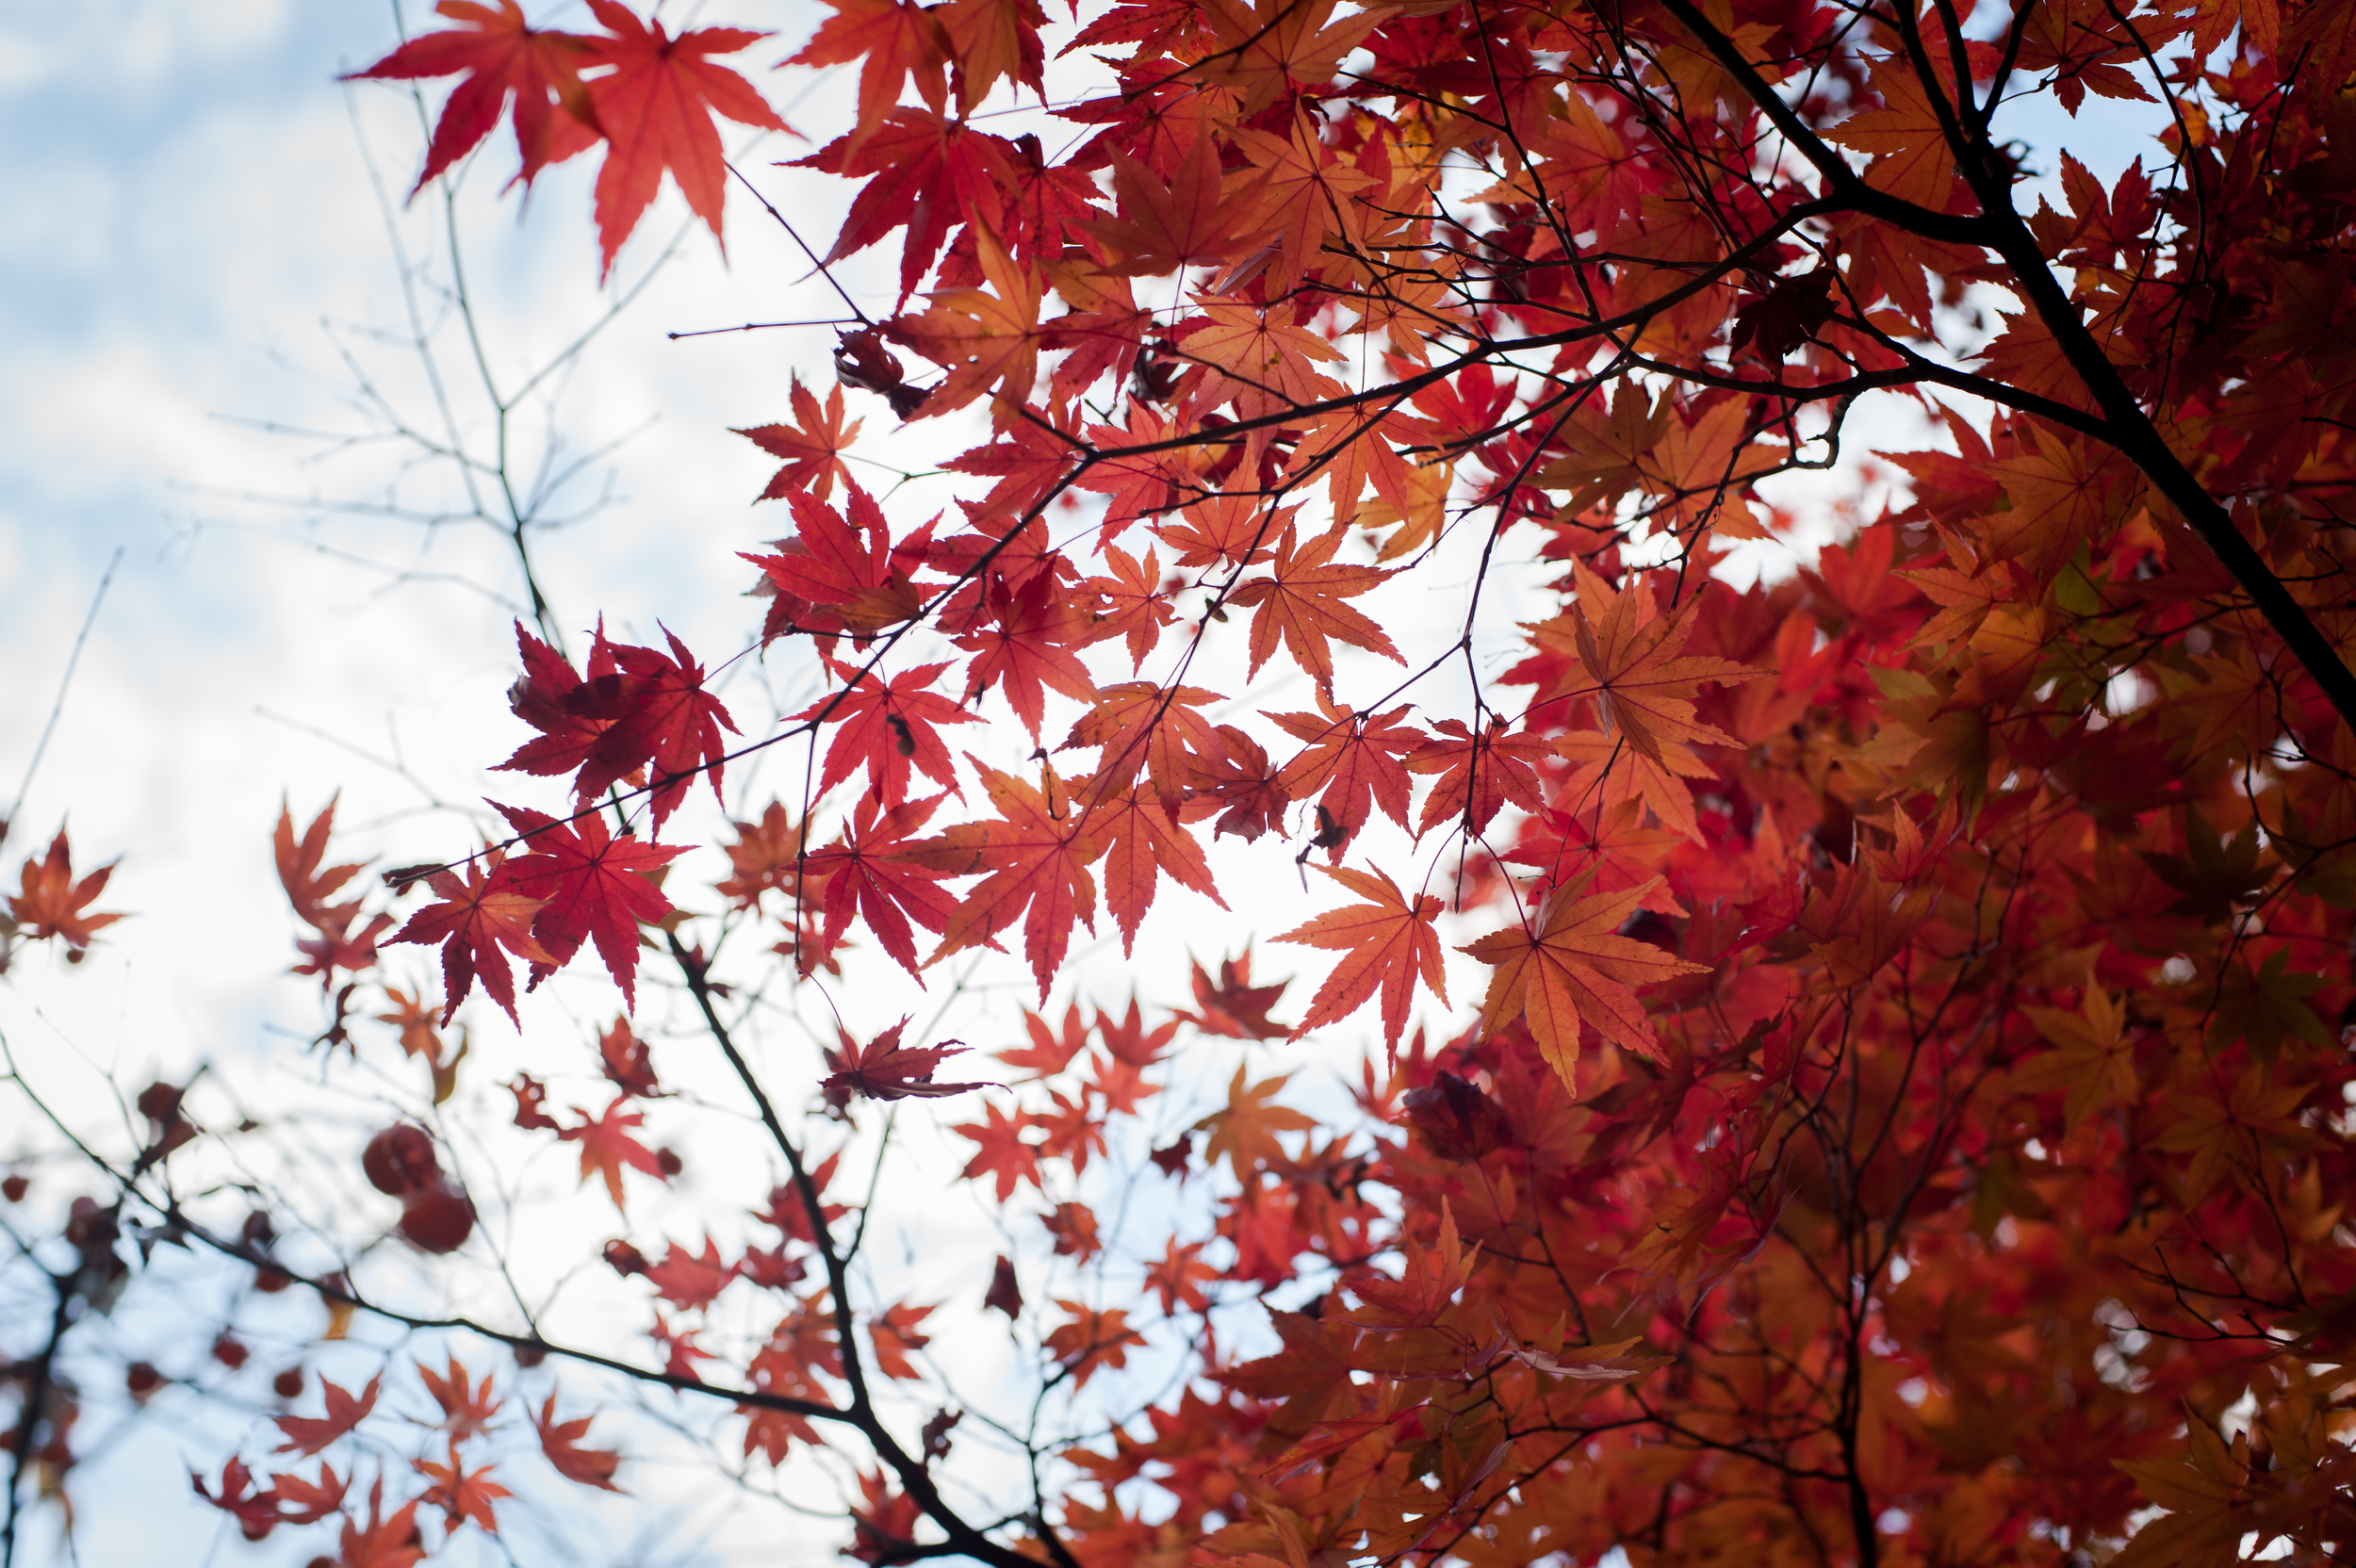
(475, 920)
(874, 872)
(1142, 841)
(891, 727)
(1048, 1053)
(502, 55)
(826, 579)
(1479, 774)
(308, 1502)
(1235, 1007)
(623, 1056)
(656, 108)
(1004, 1153)
(1028, 461)
(1248, 787)
(812, 452)
(883, 1068)
(1135, 608)
(299, 871)
(467, 1405)
(256, 1513)
(383, 1541)
(766, 855)
(54, 904)
(1354, 759)
(592, 885)
(930, 175)
(1037, 856)
(560, 1440)
(691, 1281)
(638, 708)
(464, 1495)
(307, 1434)
(607, 1146)
(1003, 1293)
(894, 1334)
(892, 39)
(1195, 216)
(1031, 645)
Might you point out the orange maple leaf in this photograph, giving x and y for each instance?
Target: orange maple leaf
(383, 1541)
(1625, 655)
(1198, 215)
(1245, 1132)
(467, 1408)
(1351, 762)
(1571, 965)
(1254, 357)
(52, 903)
(561, 1442)
(983, 340)
(994, 39)
(1141, 726)
(607, 1146)
(308, 1502)
(1264, 47)
(1136, 606)
(1304, 187)
(1225, 530)
(1089, 1341)
(1390, 942)
(464, 1495)
(1142, 839)
(1301, 601)
(307, 1434)
(1911, 157)
(1479, 772)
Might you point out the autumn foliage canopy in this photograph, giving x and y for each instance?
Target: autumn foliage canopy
(1634, 502)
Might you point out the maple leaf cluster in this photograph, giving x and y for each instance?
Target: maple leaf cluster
(1906, 1117)
(1938, 911)
(459, 1486)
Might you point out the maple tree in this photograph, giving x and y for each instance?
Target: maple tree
(1907, 1118)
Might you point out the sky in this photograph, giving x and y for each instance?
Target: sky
(208, 344)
